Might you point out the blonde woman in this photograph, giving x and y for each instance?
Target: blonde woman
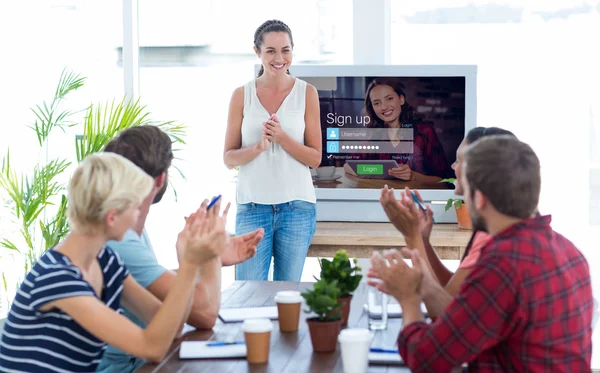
(67, 308)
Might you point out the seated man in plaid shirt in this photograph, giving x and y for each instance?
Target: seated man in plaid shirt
(527, 304)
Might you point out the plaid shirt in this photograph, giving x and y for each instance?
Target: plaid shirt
(525, 307)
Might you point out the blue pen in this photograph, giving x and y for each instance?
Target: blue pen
(383, 350)
(421, 206)
(217, 344)
(212, 203)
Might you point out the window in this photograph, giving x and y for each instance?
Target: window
(537, 76)
(193, 54)
(39, 40)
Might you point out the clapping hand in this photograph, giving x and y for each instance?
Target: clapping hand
(425, 220)
(402, 213)
(242, 248)
(391, 275)
(203, 237)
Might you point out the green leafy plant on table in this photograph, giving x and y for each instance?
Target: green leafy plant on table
(348, 276)
(322, 300)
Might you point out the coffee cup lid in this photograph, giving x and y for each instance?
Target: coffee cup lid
(257, 325)
(288, 296)
(355, 335)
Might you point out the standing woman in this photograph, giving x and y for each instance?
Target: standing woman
(274, 136)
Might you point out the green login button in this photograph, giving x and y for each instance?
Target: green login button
(369, 169)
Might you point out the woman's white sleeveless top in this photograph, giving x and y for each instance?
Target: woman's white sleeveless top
(274, 176)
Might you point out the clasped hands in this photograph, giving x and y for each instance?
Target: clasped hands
(272, 132)
(204, 238)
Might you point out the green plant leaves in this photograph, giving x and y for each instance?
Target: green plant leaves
(67, 83)
(38, 199)
(7, 244)
(322, 300)
(58, 227)
(48, 116)
(448, 204)
(456, 202)
(104, 121)
(341, 270)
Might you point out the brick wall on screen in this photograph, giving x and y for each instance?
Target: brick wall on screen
(441, 102)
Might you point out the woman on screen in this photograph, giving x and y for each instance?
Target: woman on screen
(386, 107)
(273, 136)
(68, 306)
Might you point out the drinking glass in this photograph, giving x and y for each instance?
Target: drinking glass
(377, 309)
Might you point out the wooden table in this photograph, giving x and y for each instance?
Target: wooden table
(289, 352)
(361, 239)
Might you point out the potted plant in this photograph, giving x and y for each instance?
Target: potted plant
(36, 200)
(325, 327)
(348, 276)
(462, 213)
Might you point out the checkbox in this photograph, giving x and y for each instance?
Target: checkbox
(330, 156)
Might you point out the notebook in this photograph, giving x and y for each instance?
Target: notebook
(200, 350)
(393, 310)
(228, 315)
(385, 358)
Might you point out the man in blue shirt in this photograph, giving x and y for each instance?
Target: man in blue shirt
(150, 149)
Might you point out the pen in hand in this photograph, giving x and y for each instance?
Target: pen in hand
(421, 206)
(213, 202)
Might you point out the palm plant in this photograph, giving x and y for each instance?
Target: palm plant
(37, 200)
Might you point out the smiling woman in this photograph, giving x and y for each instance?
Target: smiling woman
(390, 116)
(274, 136)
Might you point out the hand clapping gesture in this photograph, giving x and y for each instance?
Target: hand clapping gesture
(203, 238)
(391, 275)
(240, 248)
(403, 213)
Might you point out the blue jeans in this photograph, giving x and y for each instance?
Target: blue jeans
(289, 228)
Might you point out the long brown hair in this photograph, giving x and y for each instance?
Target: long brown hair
(272, 25)
(406, 116)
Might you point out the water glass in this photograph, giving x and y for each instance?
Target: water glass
(377, 309)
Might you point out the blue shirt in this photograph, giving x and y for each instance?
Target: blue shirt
(51, 341)
(138, 255)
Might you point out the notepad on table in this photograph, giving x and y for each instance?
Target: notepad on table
(228, 315)
(386, 358)
(393, 310)
(201, 350)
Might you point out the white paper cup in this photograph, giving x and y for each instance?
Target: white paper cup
(288, 297)
(355, 344)
(257, 333)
